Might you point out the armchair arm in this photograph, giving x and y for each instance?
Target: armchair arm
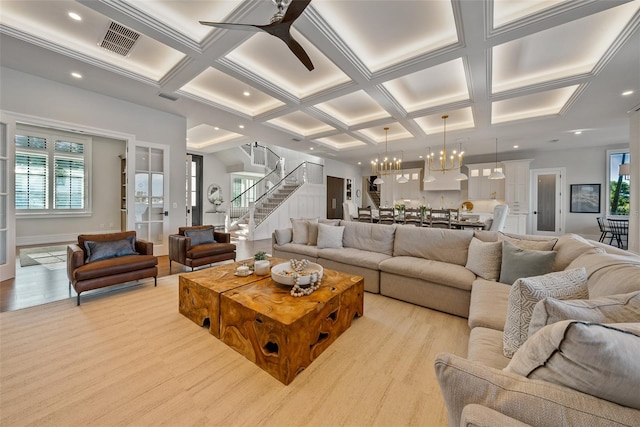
(533, 402)
(75, 259)
(178, 247)
(222, 237)
(143, 247)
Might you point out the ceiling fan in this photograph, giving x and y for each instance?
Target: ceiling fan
(280, 27)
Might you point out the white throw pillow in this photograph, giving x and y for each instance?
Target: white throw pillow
(525, 294)
(600, 360)
(622, 308)
(484, 259)
(284, 235)
(300, 228)
(330, 236)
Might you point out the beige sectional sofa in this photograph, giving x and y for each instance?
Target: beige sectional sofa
(438, 269)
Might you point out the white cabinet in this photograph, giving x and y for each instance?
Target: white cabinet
(516, 224)
(517, 185)
(444, 181)
(480, 187)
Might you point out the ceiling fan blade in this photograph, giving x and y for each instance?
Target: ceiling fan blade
(227, 26)
(295, 9)
(298, 51)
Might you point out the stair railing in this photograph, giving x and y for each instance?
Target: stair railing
(306, 172)
(239, 206)
(261, 155)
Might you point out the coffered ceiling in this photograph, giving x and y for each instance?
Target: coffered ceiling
(527, 72)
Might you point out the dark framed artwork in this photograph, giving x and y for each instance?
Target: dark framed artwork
(348, 189)
(585, 198)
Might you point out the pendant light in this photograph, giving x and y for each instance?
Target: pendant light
(496, 174)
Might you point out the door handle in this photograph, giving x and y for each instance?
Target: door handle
(166, 213)
(535, 212)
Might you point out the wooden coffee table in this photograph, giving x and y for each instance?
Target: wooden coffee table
(199, 292)
(283, 334)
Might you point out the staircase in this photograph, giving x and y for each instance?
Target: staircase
(375, 198)
(274, 200)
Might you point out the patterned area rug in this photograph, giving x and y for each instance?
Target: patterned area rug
(51, 257)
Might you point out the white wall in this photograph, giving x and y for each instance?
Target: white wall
(634, 216)
(589, 167)
(74, 107)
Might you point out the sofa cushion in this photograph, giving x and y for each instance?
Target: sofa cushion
(330, 236)
(354, 256)
(437, 244)
(369, 237)
(569, 247)
(112, 266)
(298, 251)
(97, 251)
(485, 347)
(210, 249)
(609, 274)
(524, 295)
(539, 243)
(601, 360)
(432, 271)
(300, 227)
(200, 236)
(488, 307)
(518, 262)
(485, 259)
(283, 235)
(611, 309)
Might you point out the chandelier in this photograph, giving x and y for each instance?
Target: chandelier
(445, 162)
(385, 167)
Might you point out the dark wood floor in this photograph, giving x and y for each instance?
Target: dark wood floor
(35, 285)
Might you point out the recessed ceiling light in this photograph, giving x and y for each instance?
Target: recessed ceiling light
(516, 146)
(311, 148)
(75, 16)
(246, 93)
(578, 132)
(627, 93)
(216, 128)
(420, 157)
(241, 126)
(76, 75)
(359, 163)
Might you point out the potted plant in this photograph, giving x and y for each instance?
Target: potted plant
(260, 263)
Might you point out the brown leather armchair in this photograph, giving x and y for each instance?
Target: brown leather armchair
(200, 245)
(116, 258)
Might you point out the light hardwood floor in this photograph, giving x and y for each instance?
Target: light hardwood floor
(130, 358)
(38, 284)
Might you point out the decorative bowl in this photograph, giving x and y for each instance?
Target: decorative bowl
(278, 273)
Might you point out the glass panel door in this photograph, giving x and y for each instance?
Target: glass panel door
(7, 216)
(547, 197)
(149, 196)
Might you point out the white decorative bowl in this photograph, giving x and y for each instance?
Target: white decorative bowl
(277, 273)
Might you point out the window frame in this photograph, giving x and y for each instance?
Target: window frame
(607, 195)
(52, 136)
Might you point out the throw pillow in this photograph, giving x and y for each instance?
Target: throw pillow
(525, 293)
(200, 236)
(300, 228)
(518, 262)
(97, 251)
(600, 360)
(538, 244)
(484, 259)
(283, 235)
(313, 228)
(610, 309)
(330, 236)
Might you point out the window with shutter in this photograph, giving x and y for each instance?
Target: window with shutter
(51, 172)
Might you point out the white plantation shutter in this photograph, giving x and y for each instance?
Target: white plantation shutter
(50, 177)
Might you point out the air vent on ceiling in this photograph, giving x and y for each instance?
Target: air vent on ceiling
(119, 39)
(168, 96)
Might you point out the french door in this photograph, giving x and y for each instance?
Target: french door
(7, 215)
(150, 195)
